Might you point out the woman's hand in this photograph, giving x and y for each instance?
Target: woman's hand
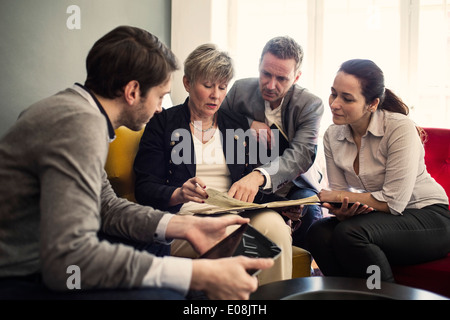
(330, 196)
(344, 211)
(191, 190)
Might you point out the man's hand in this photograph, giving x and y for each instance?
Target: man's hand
(246, 188)
(227, 278)
(262, 133)
(293, 213)
(202, 233)
(219, 278)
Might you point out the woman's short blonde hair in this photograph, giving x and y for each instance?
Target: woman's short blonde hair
(206, 62)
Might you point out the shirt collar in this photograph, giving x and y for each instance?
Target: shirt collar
(376, 127)
(267, 104)
(93, 101)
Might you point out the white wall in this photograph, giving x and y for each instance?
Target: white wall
(195, 22)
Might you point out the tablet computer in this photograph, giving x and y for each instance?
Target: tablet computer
(245, 241)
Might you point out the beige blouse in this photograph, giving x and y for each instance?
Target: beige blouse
(391, 163)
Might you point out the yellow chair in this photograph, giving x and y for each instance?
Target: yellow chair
(119, 164)
(119, 167)
(301, 262)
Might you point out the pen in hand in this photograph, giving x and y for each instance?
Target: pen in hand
(202, 188)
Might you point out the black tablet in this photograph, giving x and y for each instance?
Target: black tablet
(245, 241)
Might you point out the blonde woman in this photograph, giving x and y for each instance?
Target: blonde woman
(210, 156)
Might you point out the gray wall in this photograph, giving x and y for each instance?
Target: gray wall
(40, 55)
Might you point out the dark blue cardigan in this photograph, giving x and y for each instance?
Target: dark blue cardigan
(157, 176)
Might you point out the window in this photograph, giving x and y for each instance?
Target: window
(364, 29)
(255, 22)
(408, 39)
(432, 91)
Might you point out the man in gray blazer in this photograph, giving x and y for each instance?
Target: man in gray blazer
(276, 101)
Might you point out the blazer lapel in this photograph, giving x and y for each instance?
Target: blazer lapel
(285, 113)
(230, 140)
(259, 107)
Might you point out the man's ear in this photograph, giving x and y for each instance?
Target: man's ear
(131, 92)
(297, 77)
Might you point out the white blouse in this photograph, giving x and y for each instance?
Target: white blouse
(211, 167)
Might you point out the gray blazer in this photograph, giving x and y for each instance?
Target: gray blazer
(301, 113)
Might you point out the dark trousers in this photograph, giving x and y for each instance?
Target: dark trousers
(32, 288)
(349, 247)
(310, 215)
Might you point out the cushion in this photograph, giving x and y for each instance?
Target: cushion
(119, 164)
(301, 262)
(437, 156)
(435, 275)
(432, 276)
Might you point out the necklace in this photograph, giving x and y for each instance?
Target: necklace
(205, 130)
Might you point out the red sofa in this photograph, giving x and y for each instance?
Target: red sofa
(435, 275)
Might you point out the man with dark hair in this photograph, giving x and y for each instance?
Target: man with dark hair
(274, 102)
(125, 55)
(55, 196)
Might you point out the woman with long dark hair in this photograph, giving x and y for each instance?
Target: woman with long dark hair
(392, 211)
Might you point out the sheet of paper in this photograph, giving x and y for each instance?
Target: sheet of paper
(221, 199)
(314, 200)
(226, 204)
